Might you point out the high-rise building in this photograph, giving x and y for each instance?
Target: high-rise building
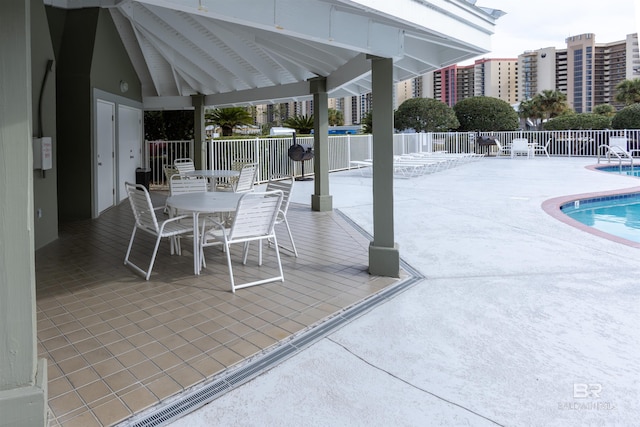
(537, 72)
(585, 71)
(497, 78)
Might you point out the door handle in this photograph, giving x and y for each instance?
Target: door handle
(99, 163)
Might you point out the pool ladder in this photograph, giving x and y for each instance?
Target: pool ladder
(617, 152)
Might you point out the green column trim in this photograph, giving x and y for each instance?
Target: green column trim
(384, 257)
(320, 200)
(199, 132)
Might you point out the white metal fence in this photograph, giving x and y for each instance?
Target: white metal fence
(272, 153)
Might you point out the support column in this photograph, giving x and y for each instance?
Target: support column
(23, 381)
(321, 200)
(199, 133)
(384, 257)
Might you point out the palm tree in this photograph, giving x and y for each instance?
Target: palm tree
(302, 124)
(336, 118)
(628, 91)
(551, 103)
(605, 110)
(529, 109)
(228, 118)
(367, 122)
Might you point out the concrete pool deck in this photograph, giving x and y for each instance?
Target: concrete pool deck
(521, 320)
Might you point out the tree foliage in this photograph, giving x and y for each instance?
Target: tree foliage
(627, 118)
(302, 124)
(552, 103)
(605, 110)
(529, 109)
(425, 115)
(628, 91)
(586, 121)
(168, 125)
(228, 118)
(485, 113)
(367, 122)
(336, 118)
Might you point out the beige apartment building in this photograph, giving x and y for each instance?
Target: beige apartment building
(495, 77)
(586, 71)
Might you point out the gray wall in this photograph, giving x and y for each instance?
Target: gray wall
(89, 54)
(44, 124)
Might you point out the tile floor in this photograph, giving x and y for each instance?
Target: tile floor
(118, 345)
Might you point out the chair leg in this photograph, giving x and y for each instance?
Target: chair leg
(275, 240)
(133, 235)
(147, 273)
(153, 257)
(228, 251)
(245, 252)
(293, 245)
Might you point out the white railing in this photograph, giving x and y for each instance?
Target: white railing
(160, 153)
(272, 153)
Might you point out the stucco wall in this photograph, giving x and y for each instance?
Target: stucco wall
(89, 55)
(44, 124)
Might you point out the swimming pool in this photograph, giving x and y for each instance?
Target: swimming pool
(624, 170)
(618, 215)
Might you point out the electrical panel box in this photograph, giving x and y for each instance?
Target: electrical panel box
(42, 153)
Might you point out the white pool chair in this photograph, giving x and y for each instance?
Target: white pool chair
(521, 146)
(146, 220)
(254, 220)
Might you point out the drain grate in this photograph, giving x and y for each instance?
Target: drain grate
(192, 400)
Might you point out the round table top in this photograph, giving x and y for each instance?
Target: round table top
(209, 202)
(213, 173)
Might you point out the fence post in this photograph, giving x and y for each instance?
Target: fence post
(348, 151)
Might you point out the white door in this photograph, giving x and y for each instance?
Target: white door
(105, 147)
(129, 146)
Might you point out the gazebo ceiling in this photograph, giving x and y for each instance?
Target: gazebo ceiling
(262, 51)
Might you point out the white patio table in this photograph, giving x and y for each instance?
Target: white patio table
(202, 203)
(213, 175)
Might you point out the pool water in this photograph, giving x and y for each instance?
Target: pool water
(624, 170)
(617, 215)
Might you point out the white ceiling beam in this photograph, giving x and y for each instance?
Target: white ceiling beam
(167, 103)
(200, 41)
(351, 71)
(184, 66)
(312, 20)
(241, 48)
(175, 50)
(294, 90)
(306, 59)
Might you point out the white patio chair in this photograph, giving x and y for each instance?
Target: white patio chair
(254, 220)
(618, 149)
(618, 144)
(184, 165)
(169, 171)
(283, 183)
(146, 220)
(521, 146)
(247, 178)
(542, 149)
(502, 149)
(179, 184)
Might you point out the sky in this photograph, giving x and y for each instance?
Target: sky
(536, 24)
